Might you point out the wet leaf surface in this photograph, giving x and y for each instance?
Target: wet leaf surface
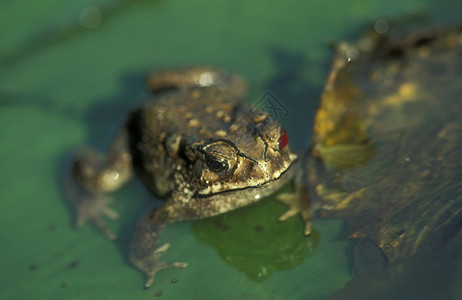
(403, 202)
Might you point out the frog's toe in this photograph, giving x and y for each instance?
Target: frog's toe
(159, 251)
(286, 198)
(109, 212)
(101, 225)
(92, 209)
(308, 227)
(151, 274)
(151, 264)
(291, 200)
(288, 214)
(297, 205)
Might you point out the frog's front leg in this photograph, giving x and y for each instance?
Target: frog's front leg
(298, 202)
(95, 176)
(144, 252)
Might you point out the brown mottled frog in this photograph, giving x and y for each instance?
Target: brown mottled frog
(197, 146)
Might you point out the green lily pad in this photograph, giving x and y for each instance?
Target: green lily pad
(254, 242)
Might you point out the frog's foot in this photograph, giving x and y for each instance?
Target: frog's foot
(297, 205)
(92, 208)
(151, 264)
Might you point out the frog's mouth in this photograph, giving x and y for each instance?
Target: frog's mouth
(212, 204)
(256, 191)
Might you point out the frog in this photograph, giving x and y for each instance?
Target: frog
(196, 145)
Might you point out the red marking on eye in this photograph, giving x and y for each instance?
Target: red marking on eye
(283, 139)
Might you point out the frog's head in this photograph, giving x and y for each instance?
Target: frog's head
(246, 164)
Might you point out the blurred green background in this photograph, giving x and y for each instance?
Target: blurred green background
(69, 72)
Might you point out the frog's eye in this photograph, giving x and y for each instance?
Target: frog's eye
(219, 157)
(283, 139)
(217, 164)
